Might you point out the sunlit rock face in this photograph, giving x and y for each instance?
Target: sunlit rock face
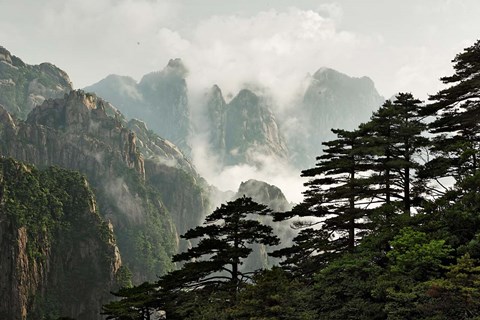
(58, 256)
(332, 100)
(160, 99)
(24, 86)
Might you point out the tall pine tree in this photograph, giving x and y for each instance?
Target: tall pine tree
(457, 122)
(335, 205)
(394, 135)
(225, 241)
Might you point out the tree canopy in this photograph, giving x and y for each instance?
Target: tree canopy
(374, 243)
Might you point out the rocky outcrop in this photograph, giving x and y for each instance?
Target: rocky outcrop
(216, 110)
(58, 257)
(272, 197)
(76, 132)
(332, 100)
(160, 99)
(24, 86)
(127, 168)
(244, 130)
(264, 193)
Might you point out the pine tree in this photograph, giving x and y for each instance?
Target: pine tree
(394, 135)
(336, 202)
(457, 122)
(136, 303)
(224, 243)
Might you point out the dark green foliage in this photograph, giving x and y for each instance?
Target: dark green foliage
(394, 139)
(378, 245)
(336, 200)
(223, 244)
(457, 296)
(457, 122)
(302, 257)
(137, 302)
(272, 295)
(54, 212)
(212, 267)
(39, 201)
(345, 289)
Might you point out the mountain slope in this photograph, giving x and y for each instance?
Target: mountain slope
(85, 133)
(244, 130)
(58, 256)
(160, 99)
(24, 86)
(332, 100)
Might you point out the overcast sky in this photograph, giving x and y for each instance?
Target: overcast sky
(402, 45)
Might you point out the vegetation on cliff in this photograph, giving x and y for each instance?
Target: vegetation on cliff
(143, 183)
(59, 258)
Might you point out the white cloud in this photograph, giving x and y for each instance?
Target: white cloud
(272, 48)
(270, 170)
(90, 39)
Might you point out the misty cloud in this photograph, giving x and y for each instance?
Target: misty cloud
(235, 44)
(270, 170)
(404, 46)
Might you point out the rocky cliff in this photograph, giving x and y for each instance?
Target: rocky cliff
(160, 99)
(244, 130)
(332, 100)
(24, 86)
(274, 198)
(216, 114)
(264, 193)
(58, 257)
(127, 169)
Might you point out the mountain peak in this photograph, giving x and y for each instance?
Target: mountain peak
(325, 73)
(246, 94)
(178, 67)
(329, 74)
(5, 55)
(215, 89)
(264, 193)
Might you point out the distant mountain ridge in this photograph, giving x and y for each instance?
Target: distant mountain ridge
(333, 100)
(246, 130)
(160, 99)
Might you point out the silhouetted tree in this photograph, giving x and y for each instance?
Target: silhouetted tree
(224, 242)
(457, 118)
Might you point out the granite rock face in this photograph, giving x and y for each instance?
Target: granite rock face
(24, 86)
(333, 100)
(132, 171)
(160, 99)
(272, 197)
(59, 257)
(264, 193)
(244, 130)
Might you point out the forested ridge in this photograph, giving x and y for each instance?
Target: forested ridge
(388, 229)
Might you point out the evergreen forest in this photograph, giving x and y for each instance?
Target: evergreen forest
(389, 227)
